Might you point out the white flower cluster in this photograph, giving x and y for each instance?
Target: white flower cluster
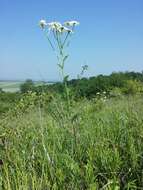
(101, 96)
(58, 27)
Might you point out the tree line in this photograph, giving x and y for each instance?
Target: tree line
(127, 82)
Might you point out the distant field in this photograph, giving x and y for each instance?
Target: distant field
(10, 86)
(14, 86)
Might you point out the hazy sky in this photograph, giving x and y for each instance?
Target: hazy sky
(109, 38)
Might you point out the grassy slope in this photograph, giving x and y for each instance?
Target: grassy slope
(99, 146)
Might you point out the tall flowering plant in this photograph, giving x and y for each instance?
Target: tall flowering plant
(58, 36)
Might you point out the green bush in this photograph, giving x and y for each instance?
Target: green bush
(8, 101)
(132, 87)
(116, 92)
(28, 85)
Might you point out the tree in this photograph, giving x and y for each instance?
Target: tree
(132, 87)
(28, 85)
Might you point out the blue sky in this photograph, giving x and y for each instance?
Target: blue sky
(109, 38)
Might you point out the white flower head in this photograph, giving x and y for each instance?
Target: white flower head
(71, 23)
(64, 29)
(54, 25)
(42, 24)
(57, 26)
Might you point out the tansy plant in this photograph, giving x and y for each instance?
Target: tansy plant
(58, 36)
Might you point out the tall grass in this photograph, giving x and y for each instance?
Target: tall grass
(100, 146)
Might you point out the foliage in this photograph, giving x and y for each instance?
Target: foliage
(88, 87)
(28, 85)
(98, 147)
(132, 87)
(115, 85)
(8, 100)
(116, 92)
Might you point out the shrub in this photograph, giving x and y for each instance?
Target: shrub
(116, 92)
(27, 86)
(132, 87)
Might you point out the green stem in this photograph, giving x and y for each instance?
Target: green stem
(61, 59)
(49, 40)
(65, 39)
(64, 80)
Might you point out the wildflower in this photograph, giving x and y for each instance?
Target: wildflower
(57, 26)
(54, 25)
(65, 29)
(98, 93)
(71, 23)
(42, 24)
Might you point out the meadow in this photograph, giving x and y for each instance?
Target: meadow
(97, 145)
(78, 134)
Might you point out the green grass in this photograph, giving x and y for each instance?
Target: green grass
(98, 145)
